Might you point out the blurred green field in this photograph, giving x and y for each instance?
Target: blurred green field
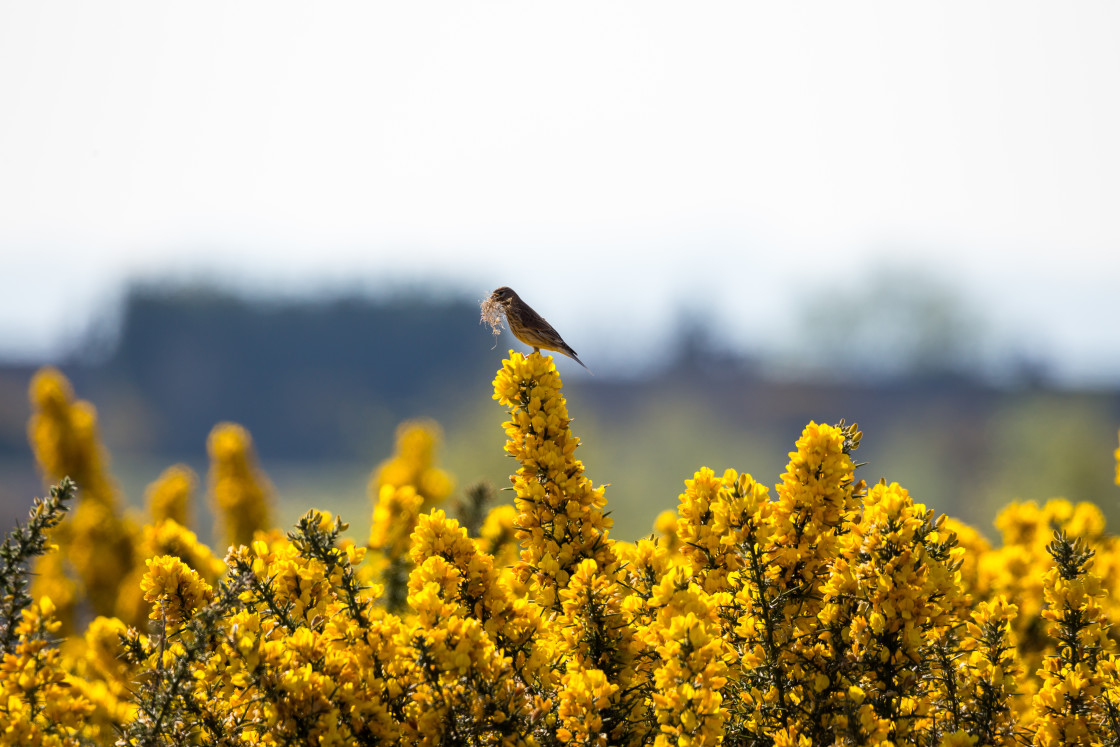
(323, 387)
(1034, 447)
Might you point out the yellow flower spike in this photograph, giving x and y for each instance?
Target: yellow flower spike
(394, 518)
(239, 490)
(498, 535)
(97, 542)
(170, 495)
(103, 640)
(414, 464)
(36, 697)
(553, 498)
(174, 589)
(584, 694)
(693, 662)
(665, 525)
(63, 435)
(451, 577)
(1116, 456)
(814, 497)
(169, 537)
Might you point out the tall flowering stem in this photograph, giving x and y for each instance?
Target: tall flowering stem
(560, 519)
(1077, 701)
(169, 497)
(240, 490)
(692, 662)
(602, 660)
(991, 671)
(569, 564)
(414, 463)
(789, 658)
(98, 539)
(64, 437)
(477, 663)
(452, 577)
(1019, 568)
(402, 487)
(1116, 454)
(815, 497)
(893, 586)
(722, 521)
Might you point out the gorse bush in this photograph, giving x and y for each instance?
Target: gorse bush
(820, 612)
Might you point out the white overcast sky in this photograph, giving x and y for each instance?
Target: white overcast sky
(612, 161)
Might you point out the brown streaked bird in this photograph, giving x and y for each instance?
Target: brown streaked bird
(526, 324)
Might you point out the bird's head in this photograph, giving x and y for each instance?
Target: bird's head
(504, 295)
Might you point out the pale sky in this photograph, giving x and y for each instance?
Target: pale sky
(611, 161)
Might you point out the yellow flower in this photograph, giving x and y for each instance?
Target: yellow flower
(240, 491)
(174, 589)
(960, 738)
(719, 518)
(414, 464)
(690, 677)
(814, 498)
(36, 699)
(394, 518)
(98, 541)
(64, 436)
(665, 525)
(560, 514)
(169, 537)
(170, 495)
(1116, 455)
(584, 694)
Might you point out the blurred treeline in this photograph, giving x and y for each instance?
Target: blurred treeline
(322, 385)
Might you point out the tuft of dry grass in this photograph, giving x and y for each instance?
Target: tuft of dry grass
(493, 314)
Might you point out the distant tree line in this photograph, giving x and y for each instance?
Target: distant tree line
(310, 379)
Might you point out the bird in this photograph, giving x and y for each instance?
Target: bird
(526, 324)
